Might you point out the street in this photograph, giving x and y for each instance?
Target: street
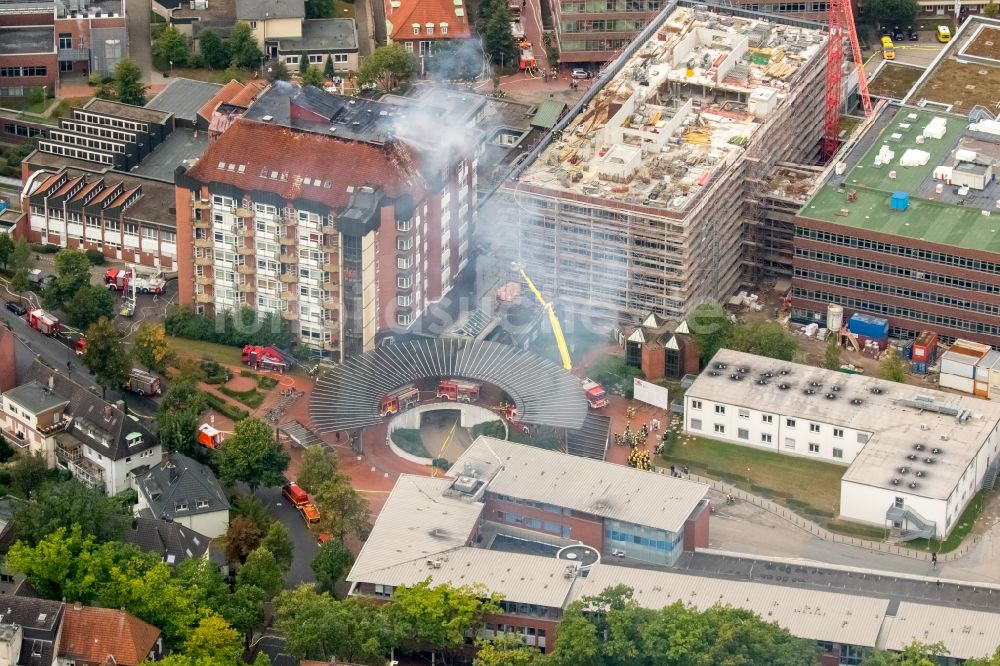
(303, 540)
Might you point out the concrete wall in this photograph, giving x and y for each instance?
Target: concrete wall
(472, 415)
(276, 29)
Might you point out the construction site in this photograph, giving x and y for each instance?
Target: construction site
(654, 195)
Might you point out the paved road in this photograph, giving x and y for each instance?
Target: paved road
(302, 538)
(139, 47)
(363, 16)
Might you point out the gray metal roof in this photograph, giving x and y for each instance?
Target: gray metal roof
(326, 35)
(348, 396)
(35, 397)
(269, 9)
(176, 487)
(183, 98)
(171, 541)
(967, 634)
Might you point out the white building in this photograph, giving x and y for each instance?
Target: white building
(916, 457)
(186, 492)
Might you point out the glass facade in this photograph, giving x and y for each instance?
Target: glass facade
(642, 543)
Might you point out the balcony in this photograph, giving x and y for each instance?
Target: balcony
(332, 286)
(203, 280)
(331, 268)
(331, 303)
(203, 242)
(289, 296)
(244, 212)
(203, 223)
(289, 258)
(70, 454)
(203, 261)
(204, 298)
(288, 315)
(244, 232)
(202, 204)
(243, 269)
(288, 278)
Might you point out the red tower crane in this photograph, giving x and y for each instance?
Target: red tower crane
(841, 20)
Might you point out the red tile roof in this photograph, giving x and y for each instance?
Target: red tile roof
(224, 96)
(248, 94)
(423, 12)
(92, 635)
(300, 156)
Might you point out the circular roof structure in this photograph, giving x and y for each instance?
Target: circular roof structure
(582, 554)
(347, 397)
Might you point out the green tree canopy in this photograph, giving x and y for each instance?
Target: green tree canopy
(278, 71)
(21, 257)
(320, 9)
(916, 654)
(891, 367)
(213, 50)
(89, 304)
(242, 46)
(496, 36)
(831, 359)
(389, 65)
(279, 543)
(332, 562)
(261, 570)
(171, 46)
(251, 455)
(313, 77)
(329, 71)
(6, 249)
(214, 639)
(151, 594)
(317, 626)
(440, 616)
(150, 347)
(763, 338)
(303, 62)
(507, 650)
(72, 273)
(126, 84)
(892, 12)
(318, 466)
(106, 355)
(68, 504)
(342, 509)
(242, 538)
(28, 473)
(178, 418)
(710, 326)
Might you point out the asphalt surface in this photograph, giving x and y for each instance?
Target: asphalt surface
(303, 540)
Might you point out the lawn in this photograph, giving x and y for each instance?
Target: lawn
(252, 398)
(808, 487)
(218, 353)
(409, 440)
(343, 9)
(66, 106)
(211, 75)
(964, 527)
(894, 81)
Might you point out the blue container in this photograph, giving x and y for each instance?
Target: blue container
(919, 367)
(869, 326)
(900, 201)
(908, 350)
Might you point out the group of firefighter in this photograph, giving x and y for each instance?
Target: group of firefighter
(638, 456)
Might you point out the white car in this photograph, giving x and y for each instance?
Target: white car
(579, 74)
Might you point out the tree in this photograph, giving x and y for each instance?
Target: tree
(342, 509)
(914, 654)
(233, 73)
(763, 338)
(439, 617)
(127, 83)
(313, 77)
(6, 249)
(252, 456)
(19, 283)
(242, 538)
(892, 12)
(171, 46)
(317, 626)
(261, 570)
(990, 10)
(22, 258)
(388, 65)
(72, 274)
(28, 473)
(831, 360)
(506, 650)
(89, 304)
(213, 50)
(332, 562)
(242, 46)
(891, 367)
(280, 545)
(213, 639)
(303, 62)
(578, 644)
(105, 355)
(278, 71)
(329, 71)
(150, 593)
(990, 661)
(710, 326)
(65, 505)
(320, 9)
(244, 608)
(253, 509)
(318, 466)
(150, 347)
(496, 37)
(178, 418)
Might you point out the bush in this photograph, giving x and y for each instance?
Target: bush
(226, 409)
(250, 398)
(441, 463)
(493, 429)
(45, 249)
(215, 373)
(266, 383)
(96, 257)
(409, 440)
(243, 327)
(94, 79)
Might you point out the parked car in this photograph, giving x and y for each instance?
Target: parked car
(912, 33)
(16, 308)
(579, 74)
(897, 34)
(883, 31)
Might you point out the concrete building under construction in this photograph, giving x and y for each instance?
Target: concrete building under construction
(649, 195)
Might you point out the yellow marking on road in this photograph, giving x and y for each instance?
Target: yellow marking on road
(447, 439)
(372, 491)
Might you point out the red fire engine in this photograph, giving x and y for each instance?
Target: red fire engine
(264, 358)
(527, 56)
(596, 395)
(456, 389)
(42, 321)
(209, 436)
(399, 400)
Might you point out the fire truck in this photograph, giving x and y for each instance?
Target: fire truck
(596, 395)
(122, 279)
(142, 382)
(43, 322)
(81, 346)
(399, 400)
(209, 436)
(457, 390)
(527, 56)
(264, 358)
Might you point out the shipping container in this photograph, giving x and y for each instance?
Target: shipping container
(907, 350)
(924, 346)
(869, 326)
(985, 365)
(981, 389)
(883, 341)
(919, 367)
(963, 384)
(958, 365)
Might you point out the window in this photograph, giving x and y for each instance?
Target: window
(765, 438)
(813, 448)
(838, 453)
(340, 58)
(744, 413)
(65, 40)
(416, 28)
(444, 28)
(862, 438)
(838, 432)
(696, 404)
(813, 427)
(790, 423)
(202, 504)
(790, 443)
(743, 433)
(409, 46)
(695, 424)
(425, 48)
(720, 409)
(767, 418)
(720, 428)
(253, 25)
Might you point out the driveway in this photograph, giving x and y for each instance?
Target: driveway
(303, 540)
(139, 47)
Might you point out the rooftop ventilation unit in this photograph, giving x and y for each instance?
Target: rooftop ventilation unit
(831, 396)
(856, 401)
(809, 391)
(918, 447)
(784, 387)
(768, 375)
(721, 366)
(904, 470)
(762, 381)
(465, 484)
(918, 473)
(836, 388)
(784, 373)
(736, 376)
(896, 482)
(743, 370)
(936, 451)
(878, 390)
(815, 384)
(929, 460)
(913, 485)
(912, 456)
(713, 373)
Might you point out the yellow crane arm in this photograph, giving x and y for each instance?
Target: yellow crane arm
(553, 320)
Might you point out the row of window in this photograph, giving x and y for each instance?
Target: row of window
(95, 130)
(17, 129)
(87, 141)
(28, 70)
(551, 508)
(744, 434)
(898, 250)
(317, 59)
(610, 25)
(901, 292)
(595, 44)
(601, 6)
(77, 153)
(535, 523)
(897, 311)
(95, 119)
(638, 540)
(769, 418)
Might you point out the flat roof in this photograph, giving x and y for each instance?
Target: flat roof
(28, 39)
(183, 97)
(339, 34)
(34, 397)
(967, 634)
(680, 112)
(180, 145)
(951, 217)
(967, 71)
(826, 616)
(127, 111)
(890, 411)
(590, 486)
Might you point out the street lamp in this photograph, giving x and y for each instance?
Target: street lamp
(171, 68)
(748, 478)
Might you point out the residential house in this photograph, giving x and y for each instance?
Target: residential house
(271, 20)
(186, 492)
(29, 630)
(420, 25)
(173, 542)
(94, 636)
(284, 33)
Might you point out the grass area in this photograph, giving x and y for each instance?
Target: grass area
(218, 353)
(252, 398)
(848, 528)
(66, 106)
(226, 408)
(212, 75)
(263, 382)
(343, 9)
(964, 527)
(962, 84)
(848, 124)
(808, 487)
(409, 440)
(894, 81)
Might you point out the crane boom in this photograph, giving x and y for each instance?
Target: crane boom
(553, 321)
